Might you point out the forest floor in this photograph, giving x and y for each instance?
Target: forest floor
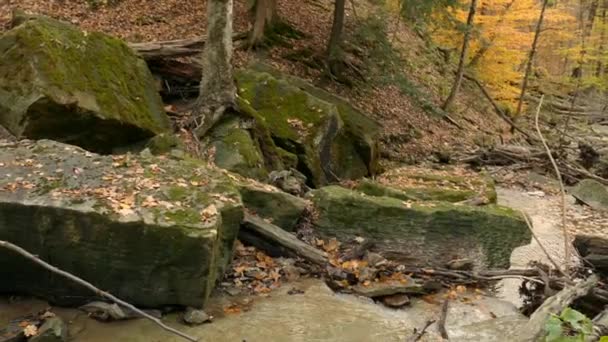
(406, 77)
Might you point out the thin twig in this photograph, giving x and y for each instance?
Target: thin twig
(561, 185)
(90, 286)
(542, 247)
(418, 334)
(442, 319)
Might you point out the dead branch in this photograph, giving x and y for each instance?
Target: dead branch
(497, 109)
(175, 48)
(418, 334)
(542, 247)
(35, 259)
(442, 318)
(534, 330)
(561, 185)
(281, 237)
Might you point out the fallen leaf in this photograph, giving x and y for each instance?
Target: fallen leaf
(30, 330)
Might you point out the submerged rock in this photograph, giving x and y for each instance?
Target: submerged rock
(592, 193)
(423, 233)
(87, 89)
(152, 231)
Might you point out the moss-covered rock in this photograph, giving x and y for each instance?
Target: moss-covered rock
(330, 142)
(282, 209)
(151, 230)
(592, 193)
(424, 184)
(88, 89)
(235, 149)
(421, 233)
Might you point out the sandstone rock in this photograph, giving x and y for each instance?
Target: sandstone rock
(592, 193)
(421, 233)
(83, 88)
(152, 231)
(329, 140)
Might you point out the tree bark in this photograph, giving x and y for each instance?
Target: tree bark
(463, 56)
(600, 65)
(487, 45)
(530, 62)
(264, 17)
(334, 50)
(217, 89)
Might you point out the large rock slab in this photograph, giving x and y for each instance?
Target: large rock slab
(421, 233)
(151, 230)
(592, 193)
(82, 88)
(324, 139)
(413, 183)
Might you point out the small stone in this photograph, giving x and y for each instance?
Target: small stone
(460, 264)
(367, 273)
(194, 316)
(233, 291)
(295, 291)
(53, 329)
(396, 301)
(292, 272)
(374, 259)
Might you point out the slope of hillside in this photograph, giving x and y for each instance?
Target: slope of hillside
(403, 76)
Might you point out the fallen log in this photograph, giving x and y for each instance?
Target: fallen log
(255, 231)
(175, 48)
(381, 289)
(534, 330)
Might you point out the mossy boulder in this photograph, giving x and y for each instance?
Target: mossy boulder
(282, 209)
(153, 231)
(235, 149)
(592, 193)
(424, 184)
(83, 88)
(328, 142)
(421, 233)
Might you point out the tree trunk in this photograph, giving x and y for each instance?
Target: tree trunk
(217, 89)
(334, 50)
(530, 63)
(463, 56)
(490, 42)
(600, 65)
(264, 17)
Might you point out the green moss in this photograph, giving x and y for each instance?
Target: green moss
(184, 217)
(280, 102)
(428, 231)
(51, 65)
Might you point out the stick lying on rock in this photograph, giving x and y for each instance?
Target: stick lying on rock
(289, 242)
(35, 259)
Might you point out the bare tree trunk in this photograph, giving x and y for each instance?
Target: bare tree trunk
(217, 89)
(530, 62)
(264, 17)
(463, 56)
(600, 65)
(334, 49)
(490, 42)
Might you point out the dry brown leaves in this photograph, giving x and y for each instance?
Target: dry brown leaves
(254, 271)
